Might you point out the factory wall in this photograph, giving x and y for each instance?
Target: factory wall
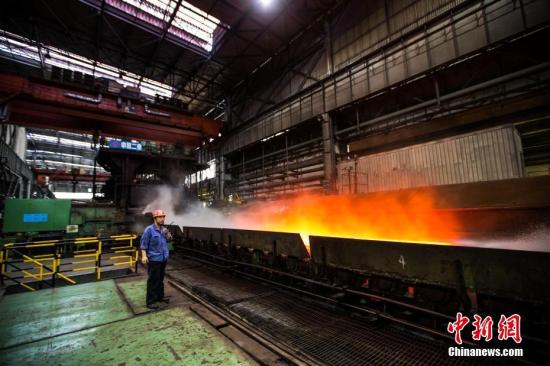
(385, 21)
(16, 138)
(372, 61)
(353, 37)
(487, 155)
(431, 50)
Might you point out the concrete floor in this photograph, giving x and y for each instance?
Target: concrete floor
(106, 323)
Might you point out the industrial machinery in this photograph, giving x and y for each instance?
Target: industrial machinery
(134, 174)
(40, 219)
(52, 242)
(417, 285)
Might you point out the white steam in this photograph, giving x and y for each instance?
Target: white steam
(195, 214)
(537, 240)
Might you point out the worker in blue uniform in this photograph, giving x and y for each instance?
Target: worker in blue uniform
(154, 254)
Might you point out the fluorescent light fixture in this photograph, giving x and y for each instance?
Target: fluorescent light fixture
(275, 135)
(53, 162)
(55, 153)
(73, 195)
(60, 141)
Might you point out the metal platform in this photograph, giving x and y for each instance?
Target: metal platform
(105, 323)
(337, 339)
(310, 329)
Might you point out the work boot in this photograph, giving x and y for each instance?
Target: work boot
(165, 300)
(152, 306)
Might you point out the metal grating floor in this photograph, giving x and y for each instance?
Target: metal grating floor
(335, 339)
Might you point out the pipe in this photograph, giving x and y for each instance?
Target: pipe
(290, 189)
(274, 163)
(289, 182)
(487, 84)
(283, 169)
(312, 141)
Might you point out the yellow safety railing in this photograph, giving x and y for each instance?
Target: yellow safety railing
(40, 275)
(86, 255)
(132, 258)
(37, 272)
(2, 265)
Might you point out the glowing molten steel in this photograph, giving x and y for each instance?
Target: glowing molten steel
(383, 216)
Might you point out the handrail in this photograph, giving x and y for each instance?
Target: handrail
(85, 253)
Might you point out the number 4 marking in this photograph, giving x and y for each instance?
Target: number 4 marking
(401, 261)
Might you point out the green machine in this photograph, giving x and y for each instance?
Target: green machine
(94, 221)
(33, 217)
(36, 215)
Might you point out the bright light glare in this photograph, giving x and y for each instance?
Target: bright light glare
(189, 23)
(265, 2)
(74, 195)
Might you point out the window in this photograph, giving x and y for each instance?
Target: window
(190, 24)
(22, 49)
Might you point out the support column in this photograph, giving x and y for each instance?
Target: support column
(328, 48)
(220, 174)
(228, 112)
(94, 179)
(328, 154)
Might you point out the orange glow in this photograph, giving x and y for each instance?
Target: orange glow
(382, 216)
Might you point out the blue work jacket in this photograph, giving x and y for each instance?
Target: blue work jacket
(154, 243)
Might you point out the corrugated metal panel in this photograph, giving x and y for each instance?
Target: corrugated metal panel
(469, 36)
(307, 111)
(330, 95)
(285, 118)
(441, 45)
(422, 52)
(486, 155)
(317, 102)
(359, 83)
(396, 67)
(417, 56)
(536, 12)
(402, 15)
(508, 20)
(295, 115)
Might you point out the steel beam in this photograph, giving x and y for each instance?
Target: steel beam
(56, 175)
(47, 105)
